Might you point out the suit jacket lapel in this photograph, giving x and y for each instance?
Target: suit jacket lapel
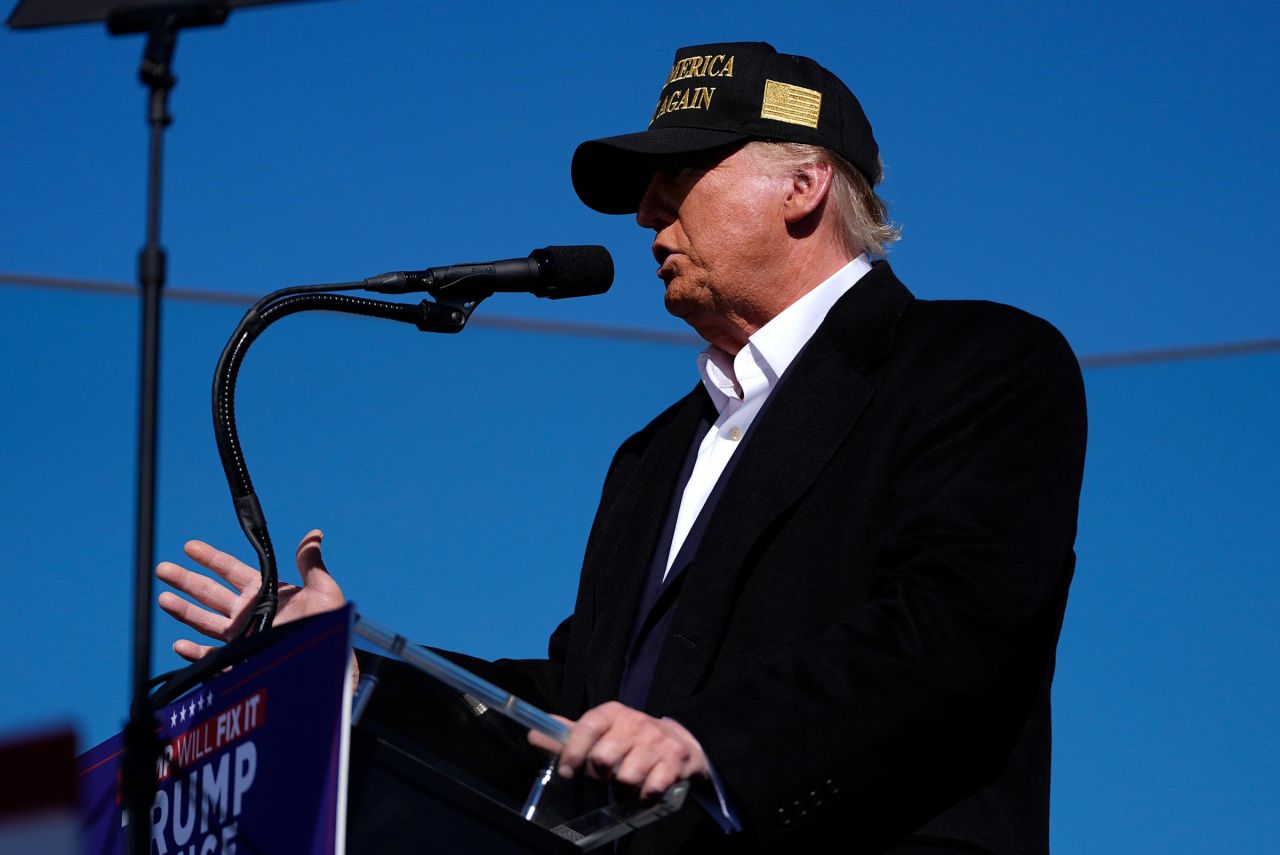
(808, 416)
(630, 536)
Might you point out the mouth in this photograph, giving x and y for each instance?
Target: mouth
(666, 262)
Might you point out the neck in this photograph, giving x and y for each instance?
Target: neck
(808, 264)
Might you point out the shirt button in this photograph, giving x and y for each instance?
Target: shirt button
(735, 434)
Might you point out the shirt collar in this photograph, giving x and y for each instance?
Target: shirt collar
(770, 350)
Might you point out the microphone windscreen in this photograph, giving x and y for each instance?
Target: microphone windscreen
(574, 271)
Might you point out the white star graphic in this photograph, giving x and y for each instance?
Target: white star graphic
(182, 713)
(200, 702)
(173, 719)
(192, 710)
(209, 698)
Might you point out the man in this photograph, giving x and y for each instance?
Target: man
(828, 582)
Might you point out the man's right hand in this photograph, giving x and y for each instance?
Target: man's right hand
(221, 612)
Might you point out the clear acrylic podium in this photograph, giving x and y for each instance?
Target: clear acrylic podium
(440, 763)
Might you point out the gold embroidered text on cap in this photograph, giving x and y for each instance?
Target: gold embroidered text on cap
(715, 96)
(796, 105)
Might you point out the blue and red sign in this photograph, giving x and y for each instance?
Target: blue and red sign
(252, 761)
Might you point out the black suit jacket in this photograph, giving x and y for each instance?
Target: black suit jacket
(864, 640)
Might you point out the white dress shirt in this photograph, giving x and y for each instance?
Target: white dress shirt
(739, 385)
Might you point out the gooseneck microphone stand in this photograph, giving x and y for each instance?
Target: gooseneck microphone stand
(555, 272)
(443, 316)
(427, 316)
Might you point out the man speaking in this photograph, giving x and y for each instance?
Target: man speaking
(828, 583)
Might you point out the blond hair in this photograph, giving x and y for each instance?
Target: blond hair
(862, 217)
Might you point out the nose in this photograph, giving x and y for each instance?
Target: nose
(654, 211)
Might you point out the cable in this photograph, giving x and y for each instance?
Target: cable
(230, 298)
(636, 334)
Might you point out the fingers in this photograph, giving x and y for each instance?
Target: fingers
(219, 613)
(616, 743)
(308, 552)
(235, 571)
(586, 736)
(321, 591)
(200, 588)
(191, 651)
(540, 740)
(310, 563)
(220, 606)
(203, 621)
(543, 742)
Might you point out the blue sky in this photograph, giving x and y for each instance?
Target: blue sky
(1110, 167)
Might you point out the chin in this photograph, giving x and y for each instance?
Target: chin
(680, 298)
(675, 306)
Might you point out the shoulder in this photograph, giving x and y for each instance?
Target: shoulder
(879, 327)
(981, 366)
(974, 359)
(955, 336)
(978, 323)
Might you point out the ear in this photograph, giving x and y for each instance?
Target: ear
(809, 187)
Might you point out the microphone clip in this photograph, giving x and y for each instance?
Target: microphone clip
(465, 284)
(444, 316)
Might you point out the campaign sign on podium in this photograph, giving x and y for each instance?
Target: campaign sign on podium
(253, 760)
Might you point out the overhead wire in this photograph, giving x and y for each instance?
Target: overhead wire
(231, 298)
(627, 333)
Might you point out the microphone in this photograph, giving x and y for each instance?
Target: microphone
(555, 272)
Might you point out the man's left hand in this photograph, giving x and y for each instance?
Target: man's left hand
(613, 742)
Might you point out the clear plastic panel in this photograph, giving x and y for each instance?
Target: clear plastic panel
(480, 742)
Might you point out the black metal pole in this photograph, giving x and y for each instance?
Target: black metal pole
(140, 770)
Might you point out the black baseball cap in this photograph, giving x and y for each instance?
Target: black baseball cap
(719, 95)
